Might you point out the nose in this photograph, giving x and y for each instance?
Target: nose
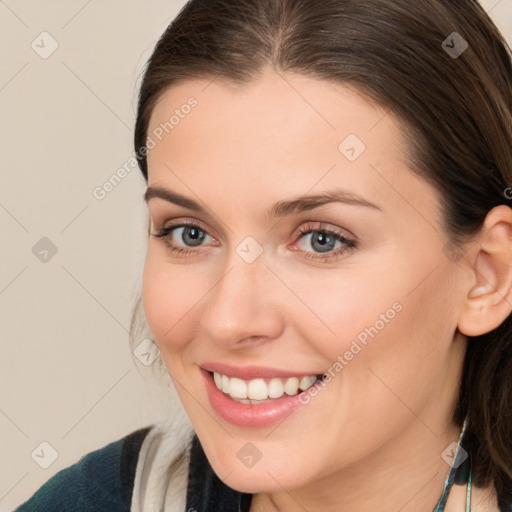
(244, 306)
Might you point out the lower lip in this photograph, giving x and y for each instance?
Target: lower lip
(249, 415)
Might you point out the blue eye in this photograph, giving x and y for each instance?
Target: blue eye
(323, 240)
(192, 233)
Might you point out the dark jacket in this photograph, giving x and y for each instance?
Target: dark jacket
(102, 481)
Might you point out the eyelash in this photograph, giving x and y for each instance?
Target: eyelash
(308, 228)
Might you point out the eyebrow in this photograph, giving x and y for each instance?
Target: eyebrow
(279, 209)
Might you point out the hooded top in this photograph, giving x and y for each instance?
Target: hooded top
(161, 468)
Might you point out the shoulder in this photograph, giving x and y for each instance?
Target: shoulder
(100, 480)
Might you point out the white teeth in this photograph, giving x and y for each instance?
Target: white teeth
(275, 388)
(237, 388)
(291, 386)
(225, 384)
(217, 377)
(257, 390)
(242, 401)
(247, 401)
(307, 382)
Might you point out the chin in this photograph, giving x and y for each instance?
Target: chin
(238, 464)
(254, 482)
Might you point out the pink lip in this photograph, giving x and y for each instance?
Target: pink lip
(249, 415)
(250, 372)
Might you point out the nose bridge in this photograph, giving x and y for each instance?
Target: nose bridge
(241, 303)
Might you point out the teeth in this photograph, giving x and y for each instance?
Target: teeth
(275, 388)
(238, 388)
(307, 382)
(291, 386)
(225, 384)
(258, 390)
(254, 402)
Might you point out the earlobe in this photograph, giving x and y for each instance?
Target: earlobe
(489, 300)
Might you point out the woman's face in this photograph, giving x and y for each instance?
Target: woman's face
(267, 290)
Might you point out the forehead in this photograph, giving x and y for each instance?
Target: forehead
(304, 105)
(283, 131)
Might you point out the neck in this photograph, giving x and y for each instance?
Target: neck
(406, 474)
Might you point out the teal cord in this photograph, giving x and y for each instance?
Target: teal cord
(468, 494)
(441, 504)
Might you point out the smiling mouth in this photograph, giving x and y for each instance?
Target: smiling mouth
(259, 391)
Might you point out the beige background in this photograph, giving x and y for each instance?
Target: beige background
(67, 376)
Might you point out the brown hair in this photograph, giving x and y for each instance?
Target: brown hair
(456, 110)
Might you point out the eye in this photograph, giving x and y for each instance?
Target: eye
(186, 237)
(323, 239)
(187, 232)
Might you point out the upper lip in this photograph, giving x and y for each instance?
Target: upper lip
(251, 372)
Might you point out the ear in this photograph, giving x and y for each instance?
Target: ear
(489, 299)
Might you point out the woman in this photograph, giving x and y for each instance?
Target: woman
(328, 272)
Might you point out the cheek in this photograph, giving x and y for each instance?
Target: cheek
(376, 329)
(169, 297)
(345, 310)
(402, 353)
